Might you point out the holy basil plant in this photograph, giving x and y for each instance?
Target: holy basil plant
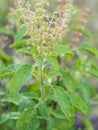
(48, 90)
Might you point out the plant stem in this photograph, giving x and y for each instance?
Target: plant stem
(58, 77)
(41, 83)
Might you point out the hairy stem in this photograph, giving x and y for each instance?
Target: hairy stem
(58, 77)
(41, 83)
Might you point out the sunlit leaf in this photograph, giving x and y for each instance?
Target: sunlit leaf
(63, 100)
(9, 116)
(20, 34)
(54, 63)
(9, 71)
(63, 49)
(89, 48)
(20, 78)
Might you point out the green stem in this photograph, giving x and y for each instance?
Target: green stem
(41, 83)
(58, 78)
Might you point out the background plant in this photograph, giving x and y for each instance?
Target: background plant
(55, 89)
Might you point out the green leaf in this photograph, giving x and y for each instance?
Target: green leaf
(50, 124)
(58, 114)
(88, 124)
(18, 44)
(69, 102)
(19, 41)
(20, 78)
(68, 81)
(64, 102)
(63, 49)
(9, 116)
(93, 72)
(53, 62)
(89, 48)
(25, 103)
(86, 33)
(13, 99)
(54, 74)
(86, 91)
(3, 30)
(69, 56)
(9, 71)
(79, 104)
(43, 109)
(31, 95)
(2, 65)
(20, 34)
(44, 114)
(25, 50)
(40, 60)
(27, 120)
(6, 58)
